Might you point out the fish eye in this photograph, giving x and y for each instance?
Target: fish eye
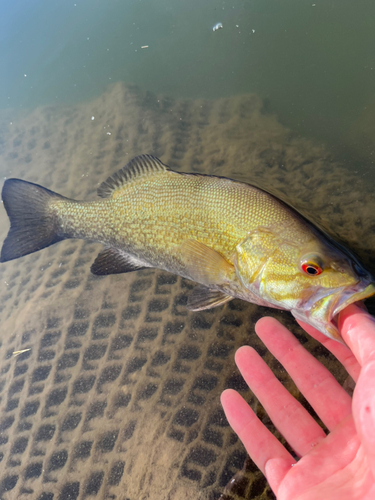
(311, 269)
(312, 266)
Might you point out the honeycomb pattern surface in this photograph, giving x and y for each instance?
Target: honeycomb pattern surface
(109, 387)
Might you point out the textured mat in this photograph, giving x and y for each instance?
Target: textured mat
(109, 386)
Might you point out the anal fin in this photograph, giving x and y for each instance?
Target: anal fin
(115, 261)
(203, 298)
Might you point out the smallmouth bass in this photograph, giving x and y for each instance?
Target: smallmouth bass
(235, 240)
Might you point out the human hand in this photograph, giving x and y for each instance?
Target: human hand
(337, 466)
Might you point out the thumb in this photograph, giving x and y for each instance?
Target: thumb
(357, 328)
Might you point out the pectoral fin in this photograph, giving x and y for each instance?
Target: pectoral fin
(205, 265)
(205, 298)
(114, 261)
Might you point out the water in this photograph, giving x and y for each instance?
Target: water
(313, 61)
(118, 393)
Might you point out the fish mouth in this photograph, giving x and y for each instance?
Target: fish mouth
(349, 296)
(323, 313)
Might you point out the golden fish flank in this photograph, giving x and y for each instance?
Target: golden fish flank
(232, 238)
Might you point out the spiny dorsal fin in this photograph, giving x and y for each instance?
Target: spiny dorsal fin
(140, 166)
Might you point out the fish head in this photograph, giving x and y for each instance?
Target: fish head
(314, 278)
(330, 279)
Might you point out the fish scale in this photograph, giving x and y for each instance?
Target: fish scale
(218, 212)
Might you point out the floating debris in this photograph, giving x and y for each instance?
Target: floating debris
(17, 353)
(144, 47)
(217, 26)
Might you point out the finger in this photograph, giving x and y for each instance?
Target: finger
(364, 411)
(358, 330)
(259, 442)
(341, 352)
(329, 400)
(288, 415)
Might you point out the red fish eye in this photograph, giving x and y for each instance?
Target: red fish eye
(311, 269)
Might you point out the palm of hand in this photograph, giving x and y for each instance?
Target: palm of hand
(338, 466)
(335, 468)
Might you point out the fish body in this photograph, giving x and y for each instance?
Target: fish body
(233, 239)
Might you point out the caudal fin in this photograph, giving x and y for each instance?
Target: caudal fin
(33, 225)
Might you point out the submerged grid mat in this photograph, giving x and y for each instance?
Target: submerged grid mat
(117, 393)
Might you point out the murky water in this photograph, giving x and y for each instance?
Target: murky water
(116, 392)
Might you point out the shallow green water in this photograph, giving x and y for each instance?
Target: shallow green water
(313, 60)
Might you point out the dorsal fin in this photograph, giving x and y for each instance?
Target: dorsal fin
(140, 166)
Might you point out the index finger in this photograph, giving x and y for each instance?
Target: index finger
(357, 328)
(341, 352)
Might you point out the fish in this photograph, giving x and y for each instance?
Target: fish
(231, 238)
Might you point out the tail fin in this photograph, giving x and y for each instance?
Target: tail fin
(33, 225)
